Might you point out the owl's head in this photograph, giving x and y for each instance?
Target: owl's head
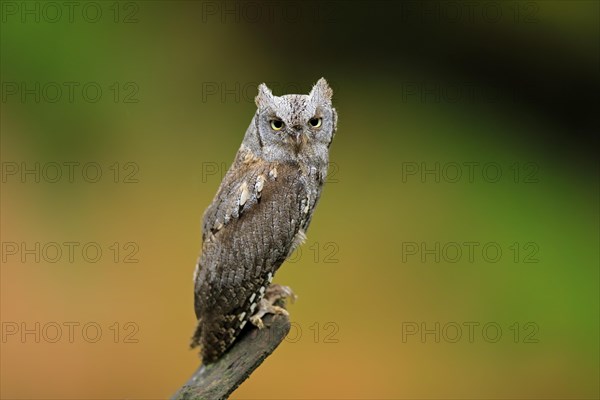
(293, 126)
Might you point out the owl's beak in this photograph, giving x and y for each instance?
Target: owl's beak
(296, 133)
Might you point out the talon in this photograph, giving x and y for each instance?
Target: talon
(267, 303)
(280, 310)
(257, 321)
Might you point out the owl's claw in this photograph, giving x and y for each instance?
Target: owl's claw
(273, 294)
(266, 307)
(256, 320)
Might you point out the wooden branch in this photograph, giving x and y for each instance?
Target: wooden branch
(219, 379)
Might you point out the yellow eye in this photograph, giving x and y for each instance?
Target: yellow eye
(276, 124)
(315, 122)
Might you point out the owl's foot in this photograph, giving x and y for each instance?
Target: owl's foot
(273, 294)
(265, 307)
(279, 292)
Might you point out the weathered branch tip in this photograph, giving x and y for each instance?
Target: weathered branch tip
(219, 379)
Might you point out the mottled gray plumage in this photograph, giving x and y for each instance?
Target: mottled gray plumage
(261, 212)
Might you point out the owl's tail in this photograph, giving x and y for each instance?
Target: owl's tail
(195, 342)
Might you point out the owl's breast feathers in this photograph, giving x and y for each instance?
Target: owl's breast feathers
(257, 217)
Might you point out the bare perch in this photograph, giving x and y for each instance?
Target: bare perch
(219, 379)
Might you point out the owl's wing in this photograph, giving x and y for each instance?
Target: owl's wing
(248, 232)
(239, 191)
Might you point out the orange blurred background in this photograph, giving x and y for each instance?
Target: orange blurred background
(392, 304)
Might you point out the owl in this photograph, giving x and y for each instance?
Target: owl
(260, 214)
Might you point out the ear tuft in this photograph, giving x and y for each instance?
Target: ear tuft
(322, 91)
(264, 97)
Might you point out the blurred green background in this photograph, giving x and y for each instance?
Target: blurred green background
(162, 93)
